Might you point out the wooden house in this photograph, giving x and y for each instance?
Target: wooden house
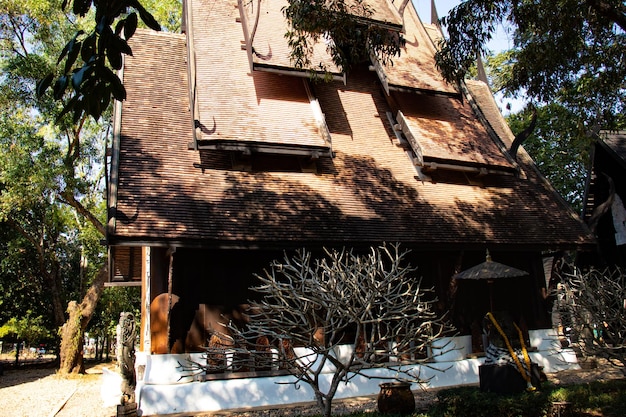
(225, 156)
(604, 200)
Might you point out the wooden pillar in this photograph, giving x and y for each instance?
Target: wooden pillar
(145, 340)
(170, 274)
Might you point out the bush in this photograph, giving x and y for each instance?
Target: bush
(605, 397)
(471, 402)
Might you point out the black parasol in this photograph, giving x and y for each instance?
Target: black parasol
(490, 271)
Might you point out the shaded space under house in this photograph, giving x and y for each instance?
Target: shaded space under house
(604, 200)
(225, 156)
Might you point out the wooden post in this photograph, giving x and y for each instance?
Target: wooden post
(169, 295)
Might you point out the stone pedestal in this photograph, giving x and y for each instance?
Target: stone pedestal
(127, 410)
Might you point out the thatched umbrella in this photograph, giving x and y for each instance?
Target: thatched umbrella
(490, 271)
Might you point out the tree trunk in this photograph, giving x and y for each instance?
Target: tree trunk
(72, 331)
(72, 342)
(17, 354)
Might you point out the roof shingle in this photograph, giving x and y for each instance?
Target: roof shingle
(367, 193)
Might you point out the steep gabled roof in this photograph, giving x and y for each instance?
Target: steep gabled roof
(615, 144)
(369, 191)
(265, 27)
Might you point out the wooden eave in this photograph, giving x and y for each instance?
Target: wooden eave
(296, 72)
(262, 147)
(283, 245)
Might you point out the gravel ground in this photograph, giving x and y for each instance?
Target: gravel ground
(42, 393)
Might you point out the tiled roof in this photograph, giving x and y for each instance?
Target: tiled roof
(236, 107)
(447, 131)
(415, 68)
(265, 27)
(270, 49)
(368, 192)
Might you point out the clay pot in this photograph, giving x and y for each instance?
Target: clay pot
(396, 398)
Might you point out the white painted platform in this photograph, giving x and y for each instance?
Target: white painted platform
(163, 391)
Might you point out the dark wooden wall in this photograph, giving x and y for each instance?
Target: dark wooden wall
(211, 285)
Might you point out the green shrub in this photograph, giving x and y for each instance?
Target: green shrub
(471, 402)
(605, 397)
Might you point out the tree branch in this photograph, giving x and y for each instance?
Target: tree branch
(70, 200)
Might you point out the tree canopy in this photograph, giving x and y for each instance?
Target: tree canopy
(567, 51)
(87, 81)
(52, 174)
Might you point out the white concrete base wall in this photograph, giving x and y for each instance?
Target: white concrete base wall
(163, 391)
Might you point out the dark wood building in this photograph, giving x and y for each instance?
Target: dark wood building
(225, 156)
(604, 199)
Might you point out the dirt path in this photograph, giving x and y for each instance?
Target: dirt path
(42, 393)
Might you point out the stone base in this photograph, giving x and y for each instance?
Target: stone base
(127, 410)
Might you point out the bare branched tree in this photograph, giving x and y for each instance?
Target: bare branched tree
(342, 314)
(593, 305)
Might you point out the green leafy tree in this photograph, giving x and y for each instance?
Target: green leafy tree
(52, 160)
(26, 329)
(559, 146)
(569, 51)
(22, 287)
(87, 81)
(114, 301)
(50, 173)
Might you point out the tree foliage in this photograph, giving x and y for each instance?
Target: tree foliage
(342, 314)
(52, 166)
(113, 302)
(44, 168)
(560, 146)
(344, 25)
(90, 58)
(571, 51)
(51, 173)
(27, 328)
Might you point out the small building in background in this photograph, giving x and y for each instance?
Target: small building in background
(604, 199)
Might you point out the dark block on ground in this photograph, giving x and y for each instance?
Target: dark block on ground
(505, 379)
(127, 410)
